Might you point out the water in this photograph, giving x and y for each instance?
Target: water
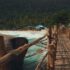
(31, 62)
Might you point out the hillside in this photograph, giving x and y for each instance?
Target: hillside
(13, 7)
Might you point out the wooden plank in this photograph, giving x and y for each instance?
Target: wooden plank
(2, 53)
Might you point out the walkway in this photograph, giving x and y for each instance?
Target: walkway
(63, 53)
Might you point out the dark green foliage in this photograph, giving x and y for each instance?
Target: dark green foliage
(61, 17)
(21, 22)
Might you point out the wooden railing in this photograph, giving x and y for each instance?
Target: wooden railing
(52, 46)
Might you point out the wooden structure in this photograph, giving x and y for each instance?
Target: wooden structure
(2, 53)
(59, 51)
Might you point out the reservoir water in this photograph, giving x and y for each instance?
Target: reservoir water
(31, 62)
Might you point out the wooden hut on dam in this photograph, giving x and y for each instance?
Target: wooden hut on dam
(7, 44)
